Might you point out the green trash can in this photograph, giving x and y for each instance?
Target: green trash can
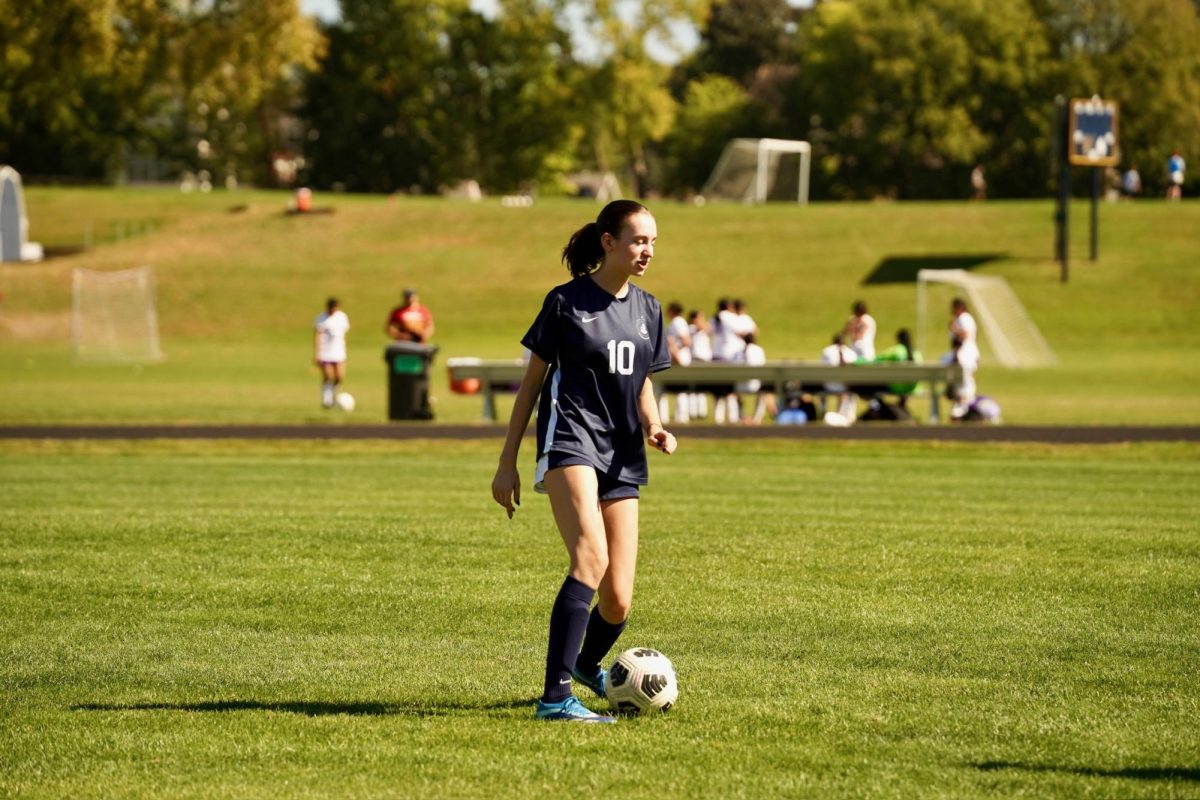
(408, 380)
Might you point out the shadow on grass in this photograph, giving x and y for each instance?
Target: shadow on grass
(1136, 773)
(903, 269)
(311, 708)
(62, 250)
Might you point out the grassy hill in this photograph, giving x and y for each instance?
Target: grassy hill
(239, 283)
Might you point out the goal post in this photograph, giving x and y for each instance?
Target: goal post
(114, 317)
(1012, 337)
(761, 171)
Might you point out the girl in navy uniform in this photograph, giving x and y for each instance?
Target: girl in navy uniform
(593, 347)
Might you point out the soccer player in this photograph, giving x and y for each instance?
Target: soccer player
(860, 330)
(679, 345)
(592, 349)
(965, 333)
(329, 349)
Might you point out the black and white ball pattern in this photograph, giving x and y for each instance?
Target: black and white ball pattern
(642, 680)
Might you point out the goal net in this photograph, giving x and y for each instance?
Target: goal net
(113, 316)
(760, 171)
(1005, 328)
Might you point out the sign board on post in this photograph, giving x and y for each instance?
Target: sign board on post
(1092, 133)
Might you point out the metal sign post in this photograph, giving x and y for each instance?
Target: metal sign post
(1092, 142)
(1063, 196)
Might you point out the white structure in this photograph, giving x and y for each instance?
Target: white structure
(1013, 338)
(113, 316)
(603, 186)
(14, 225)
(761, 170)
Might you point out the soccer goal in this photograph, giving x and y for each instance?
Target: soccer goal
(1012, 337)
(113, 316)
(761, 171)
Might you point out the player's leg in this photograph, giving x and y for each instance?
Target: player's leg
(682, 411)
(327, 384)
(608, 618)
(574, 499)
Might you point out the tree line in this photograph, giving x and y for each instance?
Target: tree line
(899, 98)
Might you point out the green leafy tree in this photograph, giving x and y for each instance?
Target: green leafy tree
(235, 83)
(1145, 54)
(714, 110)
(739, 37)
(512, 122)
(904, 96)
(423, 94)
(77, 81)
(375, 104)
(627, 99)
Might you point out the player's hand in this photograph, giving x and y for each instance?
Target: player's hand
(506, 488)
(664, 440)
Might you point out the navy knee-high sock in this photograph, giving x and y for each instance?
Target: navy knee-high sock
(568, 620)
(600, 637)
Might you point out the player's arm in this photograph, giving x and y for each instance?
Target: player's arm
(317, 346)
(392, 328)
(673, 349)
(658, 436)
(428, 333)
(506, 485)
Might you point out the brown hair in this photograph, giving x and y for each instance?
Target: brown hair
(584, 253)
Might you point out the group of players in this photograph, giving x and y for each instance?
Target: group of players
(732, 336)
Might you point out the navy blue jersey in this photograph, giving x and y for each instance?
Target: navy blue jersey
(600, 349)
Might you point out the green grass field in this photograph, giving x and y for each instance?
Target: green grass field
(237, 619)
(239, 284)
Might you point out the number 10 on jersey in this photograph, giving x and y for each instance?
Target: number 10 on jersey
(620, 357)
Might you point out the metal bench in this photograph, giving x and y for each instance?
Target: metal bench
(505, 376)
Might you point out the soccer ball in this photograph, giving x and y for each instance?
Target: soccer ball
(345, 401)
(641, 681)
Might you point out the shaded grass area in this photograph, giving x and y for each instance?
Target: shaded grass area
(358, 619)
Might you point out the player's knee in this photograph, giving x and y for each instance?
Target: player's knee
(590, 564)
(616, 608)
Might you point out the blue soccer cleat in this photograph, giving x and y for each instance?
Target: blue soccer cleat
(595, 681)
(569, 710)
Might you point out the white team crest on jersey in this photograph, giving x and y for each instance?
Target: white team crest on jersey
(642, 330)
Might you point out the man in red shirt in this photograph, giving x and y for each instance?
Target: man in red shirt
(411, 321)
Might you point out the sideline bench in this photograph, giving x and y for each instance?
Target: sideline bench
(505, 376)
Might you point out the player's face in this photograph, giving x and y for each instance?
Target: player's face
(632, 251)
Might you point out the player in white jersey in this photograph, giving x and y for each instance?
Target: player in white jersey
(965, 333)
(860, 331)
(701, 334)
(702, 351)
(593, 347)
(679, 344)
(743, 323)
(839, 354)
(727, 343)
(329, 349)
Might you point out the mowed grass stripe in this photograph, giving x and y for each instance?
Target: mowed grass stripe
(221, 619)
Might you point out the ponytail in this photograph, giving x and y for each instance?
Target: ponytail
(584, 252)
(905, 339)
